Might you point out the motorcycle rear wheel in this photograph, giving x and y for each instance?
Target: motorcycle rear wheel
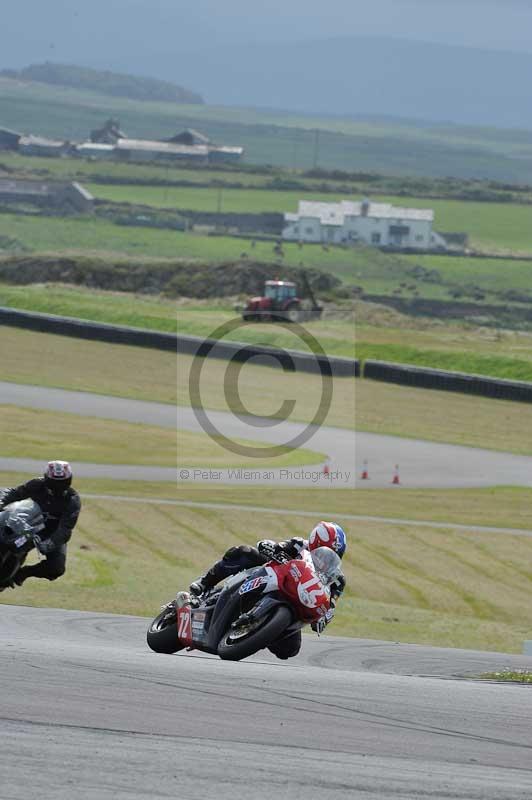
(162, 634)
(270, 630)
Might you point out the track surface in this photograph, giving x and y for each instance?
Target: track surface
(89, 712)
(423, 464)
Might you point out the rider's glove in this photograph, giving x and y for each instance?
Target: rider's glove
(337, 587)
(319, 625)
(44, 546)
(267, 547)
(292, 547)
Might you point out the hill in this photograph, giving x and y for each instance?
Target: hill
(116, 84)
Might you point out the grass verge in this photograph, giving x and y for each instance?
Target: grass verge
(508, 676)
(32, 433)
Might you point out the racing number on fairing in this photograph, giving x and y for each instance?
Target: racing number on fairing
(308, 596)
(183, 630)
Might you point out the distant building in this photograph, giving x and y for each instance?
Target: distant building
(225, 154)
(9, 139)
(110, 133)
(40, 146)
(96, 150)
(52, 196)
(110, 142)
(217, 154)
(190, 137)
(377, 224)
(145, 150)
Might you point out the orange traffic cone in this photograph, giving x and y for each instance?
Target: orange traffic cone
(326, 468)
(395, 479)
(365, 473)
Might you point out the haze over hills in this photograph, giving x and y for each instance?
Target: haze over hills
(351, 76)
(362, 75)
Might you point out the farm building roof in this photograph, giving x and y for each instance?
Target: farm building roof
(335, 213)
(227, 149)
(145, 145)
(19, 187)
(10, 132)
(40, 141)
(189, 136)
(97, 147)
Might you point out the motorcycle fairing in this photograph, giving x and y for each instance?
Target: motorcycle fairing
(252, 584)
(184, 625)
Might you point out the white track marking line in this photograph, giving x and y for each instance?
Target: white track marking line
(314, 514)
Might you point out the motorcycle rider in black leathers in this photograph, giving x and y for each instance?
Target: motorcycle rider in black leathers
(325, 534)
(60, 505)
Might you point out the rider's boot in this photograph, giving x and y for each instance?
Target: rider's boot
(20, 576)
(205, 582)
(197, 587)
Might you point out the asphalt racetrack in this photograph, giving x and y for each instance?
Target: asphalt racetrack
(88, 711)
(422, 464)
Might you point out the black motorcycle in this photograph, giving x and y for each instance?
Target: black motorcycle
(20, 525)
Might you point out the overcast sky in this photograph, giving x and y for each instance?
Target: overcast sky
(113, 32)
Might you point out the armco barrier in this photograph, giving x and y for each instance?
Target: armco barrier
(409, 375)
(290, 360)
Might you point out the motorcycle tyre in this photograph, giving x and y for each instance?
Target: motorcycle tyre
(9, 566)
(163, 639)
(268, 633)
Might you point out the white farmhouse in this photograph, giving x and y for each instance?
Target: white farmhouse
(377, 224)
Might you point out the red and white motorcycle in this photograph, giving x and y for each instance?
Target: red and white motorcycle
(252, 610)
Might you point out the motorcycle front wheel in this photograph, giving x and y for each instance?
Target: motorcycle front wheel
(9, 566)
(162, 634)
(241, 643)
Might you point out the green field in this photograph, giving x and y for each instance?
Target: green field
(247, 176)
(501, 227)
(280, 138)
(376, 272)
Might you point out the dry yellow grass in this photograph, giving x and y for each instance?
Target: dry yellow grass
(504, 507)
(31, 433)
(48, 360)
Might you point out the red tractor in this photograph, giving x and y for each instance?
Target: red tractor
(281, 302)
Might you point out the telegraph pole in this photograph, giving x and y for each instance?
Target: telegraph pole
(316, 147)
